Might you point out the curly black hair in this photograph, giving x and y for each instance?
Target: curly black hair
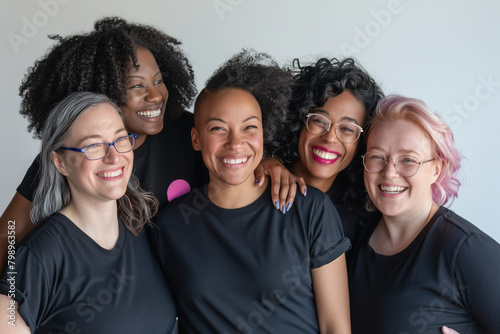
(260, 75)
(313, 85)
(98, 61)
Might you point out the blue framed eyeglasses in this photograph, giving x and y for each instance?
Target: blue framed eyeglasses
(100, 150)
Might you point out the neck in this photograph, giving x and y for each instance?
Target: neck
(237, 196)
(99, 222)
(323, 184)
(139, 141)
(394, 233)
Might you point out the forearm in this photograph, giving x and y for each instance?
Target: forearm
(15, 223)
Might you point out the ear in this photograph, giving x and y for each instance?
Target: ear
(195, 139)
(58, 163)
(438, 165)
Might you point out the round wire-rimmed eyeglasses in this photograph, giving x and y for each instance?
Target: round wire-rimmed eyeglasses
(346, 132)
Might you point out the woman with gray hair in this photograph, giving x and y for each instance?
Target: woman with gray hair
(87, 266)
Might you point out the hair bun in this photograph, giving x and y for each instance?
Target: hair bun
(108, 23)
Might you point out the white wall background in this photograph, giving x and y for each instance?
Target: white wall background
(446, 53)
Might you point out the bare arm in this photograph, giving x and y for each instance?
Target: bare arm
(11, 321)
(283, 183)
(332, 297)
(16, 217)
(447, 330)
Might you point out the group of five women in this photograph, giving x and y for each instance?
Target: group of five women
(135, 228)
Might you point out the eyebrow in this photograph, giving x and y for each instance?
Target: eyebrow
(139, 76)
(401, 152)
(345, 118)
(99, 136)
(216, 119)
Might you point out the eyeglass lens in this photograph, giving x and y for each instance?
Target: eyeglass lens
(404, 165)
(122, 145)
(346, 132)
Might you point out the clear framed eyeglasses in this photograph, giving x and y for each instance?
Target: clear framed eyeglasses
(346, 132)
(100, 150)
(405, 165)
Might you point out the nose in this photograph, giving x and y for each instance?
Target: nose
(234, 140)
(154, 95)
(331, 136)
(390, 169)
(113, 155)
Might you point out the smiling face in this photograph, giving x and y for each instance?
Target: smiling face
(95, 181)
(391, 193)
(323, 157)
(229, 135)
(146, 97)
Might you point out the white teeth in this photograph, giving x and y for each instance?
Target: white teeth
(112, 174)
(325, 155)
(234, 161)
(392, 189)
(150, 113)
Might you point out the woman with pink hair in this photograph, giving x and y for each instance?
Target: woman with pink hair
(417, 265)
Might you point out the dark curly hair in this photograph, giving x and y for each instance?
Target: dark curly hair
(98, 62)
(259, 74)
(314, 84)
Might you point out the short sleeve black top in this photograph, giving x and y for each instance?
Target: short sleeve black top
(352, 218)
(448, 276)
(64, 282)
(247, 270)
(165, 164)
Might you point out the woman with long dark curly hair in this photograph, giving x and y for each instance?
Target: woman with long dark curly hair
(331, 102)
(234, 263)
(144, 72)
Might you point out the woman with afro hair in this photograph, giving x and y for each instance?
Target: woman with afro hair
(140, 69)
(235, 263)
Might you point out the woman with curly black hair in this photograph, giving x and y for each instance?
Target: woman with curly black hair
(233, 262)
(331, 102)
(139, 68)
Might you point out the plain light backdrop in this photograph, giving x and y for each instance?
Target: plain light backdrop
(446, 53)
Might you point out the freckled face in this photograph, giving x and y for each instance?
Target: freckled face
(95, 181)
(391, 193)
(229, 135)
(146, 97)
(323, 157)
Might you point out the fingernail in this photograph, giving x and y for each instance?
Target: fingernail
(305, 192)
(283, 209)
(277, 204)
(288, 206)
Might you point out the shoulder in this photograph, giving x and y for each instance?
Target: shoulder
(454, 226)
(30, 180)
(463, 241)
(313, 195)
(46, 234)
(187, 204)
(315, 199)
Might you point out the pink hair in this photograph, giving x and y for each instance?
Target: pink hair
(396, 107)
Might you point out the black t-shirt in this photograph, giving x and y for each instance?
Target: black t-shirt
(165, 164)
(352, 218)
(66, 283)
(247, 269)
(448, 276)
